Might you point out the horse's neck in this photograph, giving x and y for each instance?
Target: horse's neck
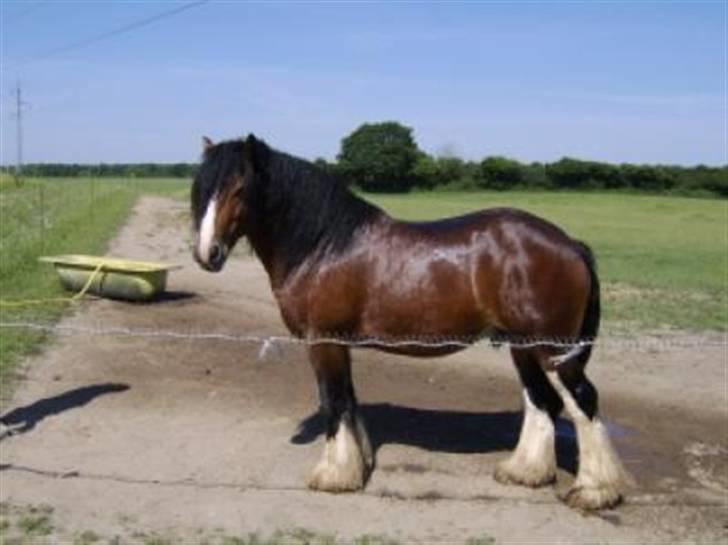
(270, 252)
(266, 251)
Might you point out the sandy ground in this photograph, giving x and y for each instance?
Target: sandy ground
(122, 434)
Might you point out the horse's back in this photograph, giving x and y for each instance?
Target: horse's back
(486, 220)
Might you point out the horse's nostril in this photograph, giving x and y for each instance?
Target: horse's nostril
(215, 253)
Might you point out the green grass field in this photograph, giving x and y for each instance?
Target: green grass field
(663, 260)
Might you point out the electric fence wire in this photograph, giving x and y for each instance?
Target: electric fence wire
(650, 343)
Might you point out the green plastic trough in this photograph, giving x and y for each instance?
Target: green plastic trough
(111, 277)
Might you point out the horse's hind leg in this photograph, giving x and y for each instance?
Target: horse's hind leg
(347, 457)
(601, 477)
(533, 462)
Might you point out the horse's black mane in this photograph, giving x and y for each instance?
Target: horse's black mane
(300, 208)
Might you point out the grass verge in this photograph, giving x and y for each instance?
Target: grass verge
(46, 217)
(37, 525)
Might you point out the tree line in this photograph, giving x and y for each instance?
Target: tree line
(384, 157)
(115, 170)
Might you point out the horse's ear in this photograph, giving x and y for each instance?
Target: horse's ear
(206, 144)
(250, 144)
(255, 152)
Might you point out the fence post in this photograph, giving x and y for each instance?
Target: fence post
(93, 198)
(41, 198)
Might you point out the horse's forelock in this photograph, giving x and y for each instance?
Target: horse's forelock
(220, 161)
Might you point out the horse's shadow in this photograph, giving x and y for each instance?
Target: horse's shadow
(24, 419)
(173, 296)
(169, 297)
(444, 431)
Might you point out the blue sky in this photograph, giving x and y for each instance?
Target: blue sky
(618, 81)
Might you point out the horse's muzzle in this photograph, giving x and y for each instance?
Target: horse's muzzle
(216, 257)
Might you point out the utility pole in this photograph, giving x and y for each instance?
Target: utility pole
(19, 119)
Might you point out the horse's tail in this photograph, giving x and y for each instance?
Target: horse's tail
(582, 350)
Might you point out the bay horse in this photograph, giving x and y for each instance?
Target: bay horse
(341, 268)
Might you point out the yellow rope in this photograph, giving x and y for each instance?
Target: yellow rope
(74, 298)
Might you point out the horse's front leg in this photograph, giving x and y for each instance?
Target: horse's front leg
(347, 458)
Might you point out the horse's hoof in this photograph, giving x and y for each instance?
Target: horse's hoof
(326, 478)
(592, 498)
(505, 473)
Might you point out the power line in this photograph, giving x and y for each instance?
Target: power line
(121, 30)
(25, 12)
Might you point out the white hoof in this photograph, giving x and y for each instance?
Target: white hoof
(346, 461)
(591, 498)
(513, 471)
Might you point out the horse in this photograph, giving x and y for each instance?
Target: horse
(341, 268)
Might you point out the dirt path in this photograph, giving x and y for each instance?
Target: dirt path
(125, 435)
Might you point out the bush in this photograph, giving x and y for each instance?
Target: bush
(500, 173)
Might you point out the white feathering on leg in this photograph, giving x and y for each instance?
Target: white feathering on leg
(533, 462)
(601, 478)
(345, 461)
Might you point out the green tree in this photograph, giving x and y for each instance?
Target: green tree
(573, 173)
(379, 157)
(648, 177)
(500, 173)
(452, 169)
(569, 173)
(605, 175)
(534, 176)
(426, 172)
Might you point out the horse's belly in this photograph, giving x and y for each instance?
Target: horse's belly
(421, 350)
(431, 315)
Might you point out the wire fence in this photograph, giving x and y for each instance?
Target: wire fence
(30, 212)
(53, 215)
(269, 344)
(46, 216)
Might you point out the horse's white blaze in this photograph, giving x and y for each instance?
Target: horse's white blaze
(601, 477)
(533, 462)
(207, 230)
(344, 462)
